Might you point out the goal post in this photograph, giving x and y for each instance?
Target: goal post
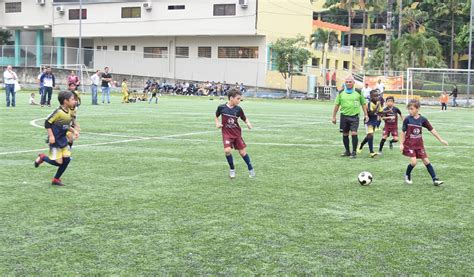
(429, 83)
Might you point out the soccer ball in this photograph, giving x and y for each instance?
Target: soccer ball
(365, 178)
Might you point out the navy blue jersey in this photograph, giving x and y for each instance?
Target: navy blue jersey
(59, 121)
(230, 119)
(413, 129)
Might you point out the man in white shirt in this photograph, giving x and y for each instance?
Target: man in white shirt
(9, 78)
(95, 82)
(380, 86)
(366, 91)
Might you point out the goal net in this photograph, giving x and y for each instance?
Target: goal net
(62, 72)
(427, 84)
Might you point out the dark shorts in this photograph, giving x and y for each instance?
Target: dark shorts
(349, 123)
(237, 143)
(393, 131)
(415, 153)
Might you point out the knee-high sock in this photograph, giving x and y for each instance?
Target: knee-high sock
(431, 171)
(394, 140)
(382, 142)
(51, 162)
(230, 160)
(247, 161)
(409, 169)
(345, 140)
(371, 144)
(62, 167)
(355, 141)
(366, 139)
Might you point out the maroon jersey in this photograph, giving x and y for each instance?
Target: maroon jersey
(230, 118)
(412, 127)
(391, 123)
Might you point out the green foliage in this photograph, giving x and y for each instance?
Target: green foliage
(290, 54)
(4, 37)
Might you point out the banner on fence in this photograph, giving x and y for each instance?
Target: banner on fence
(390, 83)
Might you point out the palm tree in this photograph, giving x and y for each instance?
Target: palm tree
(377, 6)
(421, 49)
(345, 5)
(321, 38)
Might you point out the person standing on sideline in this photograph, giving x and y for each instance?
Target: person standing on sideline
(350, 102)
(106, 83)
(444, 99)
(454, 94)
(10, 78)
(333, 78)
(381, 87)
(366, 91)
(328, 78)
(40, 84)
(49, 82)
(95, 82)
(73, 81)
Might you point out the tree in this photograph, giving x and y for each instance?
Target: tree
(290, 56)
(4, 37)
(376, 6)
(321, 38)
(347, 5)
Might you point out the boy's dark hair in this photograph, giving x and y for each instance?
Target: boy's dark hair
(374, 91)
(414, 103)
(233, 93)
(64, 95)
(124, 80)
(390, 98)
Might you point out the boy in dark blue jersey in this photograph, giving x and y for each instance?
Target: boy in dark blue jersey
(58, 124)
(411, 141)
(374, 109)
(231, 131)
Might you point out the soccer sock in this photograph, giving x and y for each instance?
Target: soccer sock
(355, 141)
(371, 144)
(431, 171)
(51, 162)
(382, 142)
(409, 169)
(364, 142)
(230, 160)
(62, 167)
(394, 140)
(345, 140)
(247, 161)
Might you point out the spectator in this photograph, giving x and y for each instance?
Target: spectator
(380, 86)
(106, 84)
(73, 81)
(40, 84)
(366, 91)
(328, 78)
(242, 88)
(49, 82)
(124, 91)
(333, 78)
(95, 81)
(454, 94)
(32, 100)
(444, 99)
(10, 78)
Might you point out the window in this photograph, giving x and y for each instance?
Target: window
(327, 63)
(155, 52)
(13, 7)
(131, 12)
(176, 7)
(104, 47)
(182, 52)
(99, 47)
(346, 64)
(315, 61)
(336, 64)
(116, 48)
(224, 9)
(234, 52)
(74, 14)
(124, 47)
(132, 47)
(204, 51)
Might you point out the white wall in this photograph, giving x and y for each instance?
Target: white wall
(249, 71)
(104, 20)
(31, 14)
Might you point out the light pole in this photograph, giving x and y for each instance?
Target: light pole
(79, 55)
(469, 67)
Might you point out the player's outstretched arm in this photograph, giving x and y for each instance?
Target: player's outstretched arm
(249, 125)
(366, 114)
(218, 124)
(334, 113)
(438, 137)
(402, 140)
(51, 138)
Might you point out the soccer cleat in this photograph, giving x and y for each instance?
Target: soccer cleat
(408, 180)
(391, 144)
(57, 182)
(373, 155)
(353, 155)
(359, 149)
(345, 154)
(252, 173)
(232, 173)
(380, 153)
(437, 182)
(39, 160)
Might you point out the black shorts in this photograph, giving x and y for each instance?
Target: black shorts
(349, 123)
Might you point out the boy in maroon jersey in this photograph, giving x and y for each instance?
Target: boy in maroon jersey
(390, 115)
(411, 142)
(231, 132)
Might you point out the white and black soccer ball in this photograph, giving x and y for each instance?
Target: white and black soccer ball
(365, 178)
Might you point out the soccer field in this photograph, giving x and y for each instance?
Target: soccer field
(148, 192)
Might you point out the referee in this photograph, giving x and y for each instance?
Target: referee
(349, 101)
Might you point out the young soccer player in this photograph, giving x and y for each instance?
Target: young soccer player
(124, 91)
(444, 99)
(390, 115)
(231, 131)
(374, 109)
(154, 94)
(58, 124)
(411, 143)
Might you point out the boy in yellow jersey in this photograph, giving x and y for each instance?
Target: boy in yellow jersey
(374, 109)
(124, 91)
(58, 124)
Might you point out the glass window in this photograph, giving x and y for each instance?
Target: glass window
(116, 48)
(182, 52)
(155, 52)
(236, 52)
(176, 7)
(204, 52)
(124, 47)
(74, 14)
(224, 9)
(13, 7)
(132, 47)
(131, 12)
